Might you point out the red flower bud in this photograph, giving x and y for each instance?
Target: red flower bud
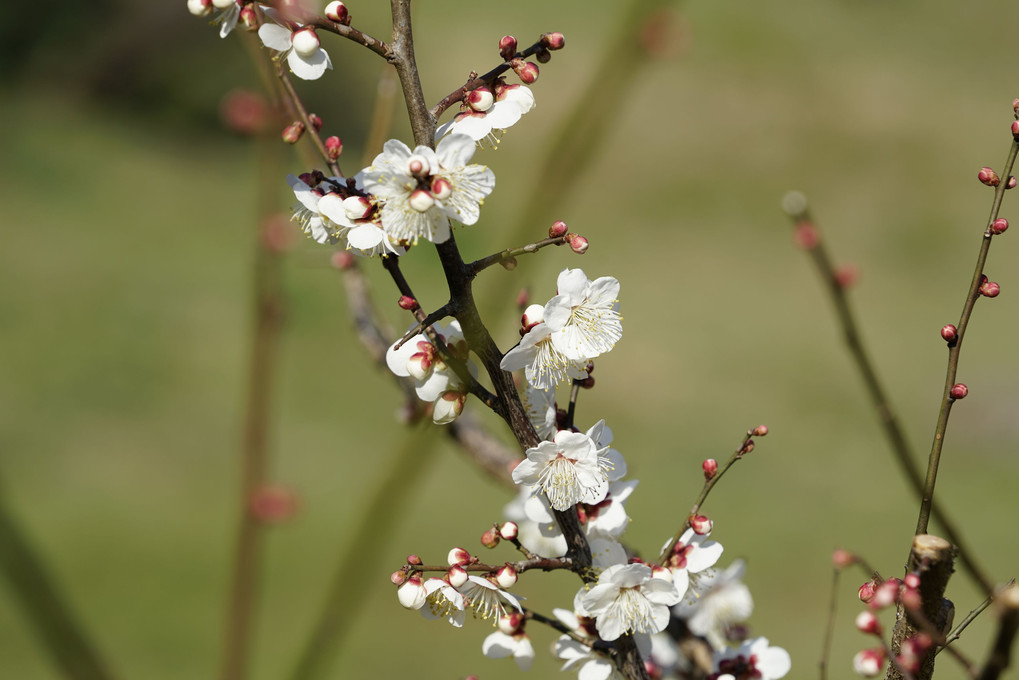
(866, 622)
(842, 558)
(990, 289)
(958, 391)
(579, 245)
(554, 40)
(1015, 129)
(334, 147)
(949, 333)
(407, 302)
(490, 538)
(414, 559)
(999, 225)
(337, 11)
(866, 592)
(292, 133)
(316, 122)
(700, 524)
(507, 47)
(557, 229)
(988, 176)
(1011, 182)
(760, 431)
(710, 467)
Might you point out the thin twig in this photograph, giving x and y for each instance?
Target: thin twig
(479, 265)
(829, 630)
(954, 348)
(880, 401)
(970, 618)
(745, 447)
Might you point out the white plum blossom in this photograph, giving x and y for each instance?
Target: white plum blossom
(542, 537)
(500, 645)
(584, 317)
(300, 47)
(484, 118)
(443, 601)
(724, 601)
(540, 406)
(589, 664)
(419, 359)
(691, 558)
(630, 599)
(320, 212)
(755, 659)
(570, 469)
(544, 365)
(486, 599)
(230, 11)
(422, 190)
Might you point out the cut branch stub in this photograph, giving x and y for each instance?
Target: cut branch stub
(932, 559)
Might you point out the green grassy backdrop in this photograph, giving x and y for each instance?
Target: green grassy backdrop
(125, 312)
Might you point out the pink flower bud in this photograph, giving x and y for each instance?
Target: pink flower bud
(554, 40)
(248, 18)
(507, 47)
(990, 289)
(337, 11)
(579, 245)
(418, 166)
(457, 576)
(886, 594)
(760, 431)
(847, 275)
(866, 592)
(408, 303)
(398, 577)
(557, 229)
(542, 55)
(506, 577)
(421, 200)
(448, 407)
(525, 70)
(305, 41)
(842, 558)
(911, 598)
(913, 651)
(911, 580)
(357, 207)
(866, 622)
(200, 8)
(441, 188)
(532, 316)
(412, 593)
(1011, 182)
(510, 623)
(490, 538)
(999, 225)
(958, 391)
(509, 530)
(481, 99)
(342, 259)
(316, 121)
(415, 560)
(273, 504)
(292, 133)
(420, 365)
(710, 467)
(458, 556)
(949, 332)
(988, 176)
(334, 147)
(244, 112)
(869, 662)
(700, 524)
(806, 236)
(1015, 129)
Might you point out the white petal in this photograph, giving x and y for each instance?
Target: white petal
(498, 646)
(311, 67)
(275, 37)
(454, 151)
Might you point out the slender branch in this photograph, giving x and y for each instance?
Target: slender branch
(381, 513)
(970, 618)
(953, 352)
(810, 239)
(479, 265)
(829, 629)
(33, 587)
(459, 94)
(746, 446)
(297, 106)
(571, 410)
(294, 12)
(535, 562)
(422, 325)
(254, 451)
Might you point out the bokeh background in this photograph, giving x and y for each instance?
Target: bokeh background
(129, 218)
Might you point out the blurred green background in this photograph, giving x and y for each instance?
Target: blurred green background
(128, 216)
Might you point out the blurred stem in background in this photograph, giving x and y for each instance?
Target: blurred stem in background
(640, 34)
(45, 606)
